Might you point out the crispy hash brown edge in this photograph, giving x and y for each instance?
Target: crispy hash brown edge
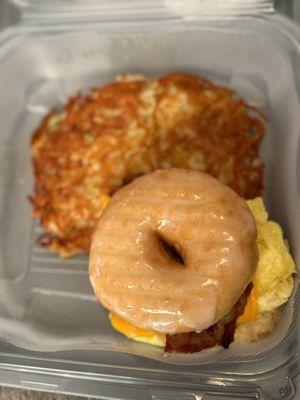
(68, 242)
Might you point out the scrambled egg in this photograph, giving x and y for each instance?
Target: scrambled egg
(273, 277)
(273, 280)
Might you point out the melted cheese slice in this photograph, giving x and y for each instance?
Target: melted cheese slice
(138, 334)
(251, 309)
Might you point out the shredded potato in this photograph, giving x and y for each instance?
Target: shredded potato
(101, 141)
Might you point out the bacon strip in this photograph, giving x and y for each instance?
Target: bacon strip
(221, 333)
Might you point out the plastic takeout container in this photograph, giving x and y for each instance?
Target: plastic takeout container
(55, 336)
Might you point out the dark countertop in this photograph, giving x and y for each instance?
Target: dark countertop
(19, 394)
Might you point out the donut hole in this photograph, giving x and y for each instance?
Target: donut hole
(171, 250)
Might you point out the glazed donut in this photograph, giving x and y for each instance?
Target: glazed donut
(173, 251)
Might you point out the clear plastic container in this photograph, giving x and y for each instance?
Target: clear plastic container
(56, 337)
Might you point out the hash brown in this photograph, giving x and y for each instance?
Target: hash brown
(99, 142)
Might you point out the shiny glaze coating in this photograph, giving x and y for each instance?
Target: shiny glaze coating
(173, 251)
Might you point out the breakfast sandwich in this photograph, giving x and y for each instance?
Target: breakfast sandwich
(183, 262)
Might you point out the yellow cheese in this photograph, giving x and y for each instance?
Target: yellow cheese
(138, 334)
(251, 309)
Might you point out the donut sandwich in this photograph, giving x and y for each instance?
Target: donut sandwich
(183, 262)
